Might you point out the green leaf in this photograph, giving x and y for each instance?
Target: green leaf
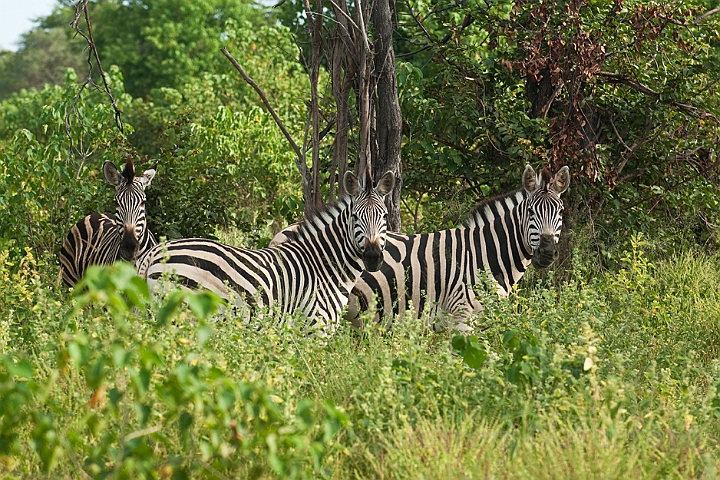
(203, 303)
(459, 343)
(96, 373)
(185, 421)
(22, 368)
(203, 334)
(168, 309)
(475, 355)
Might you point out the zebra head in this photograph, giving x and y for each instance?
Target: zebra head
(543, 213)
(369, 215)
(129, 204)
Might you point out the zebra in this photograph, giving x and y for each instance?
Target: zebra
(101, 239)
(312, 277)
(439, 271)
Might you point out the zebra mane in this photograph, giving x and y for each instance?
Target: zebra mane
(322, 218)
(129, 171)
(491, 207)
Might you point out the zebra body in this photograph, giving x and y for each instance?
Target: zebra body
(312, 276)
(438, 272)
(102, 239)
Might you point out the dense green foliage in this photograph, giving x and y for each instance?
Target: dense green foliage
(42, 58)
(612, 375)
(606, 369)
(214, 146)
(47, 183)
(622, 92)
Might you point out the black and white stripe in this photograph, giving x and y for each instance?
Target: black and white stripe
(438, 271)
(312, 276)
(101, 239)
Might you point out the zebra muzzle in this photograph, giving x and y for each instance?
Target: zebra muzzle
(128, 243)
(546, 253)
(372, 257)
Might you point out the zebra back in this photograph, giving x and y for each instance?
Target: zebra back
(101, 239)
(438, 271)
(311, 276)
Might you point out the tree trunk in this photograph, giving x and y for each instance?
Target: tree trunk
(388, 119)
(340, 62)
(315, 202)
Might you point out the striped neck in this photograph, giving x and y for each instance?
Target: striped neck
(503, 221)
(333, 230)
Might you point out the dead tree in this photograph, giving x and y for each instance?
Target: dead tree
(355, 43)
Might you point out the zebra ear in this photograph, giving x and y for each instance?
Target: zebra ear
(351, 184)
(562, 180)
(529, 179)
(112, 175)
(386, 184)
(147, 177)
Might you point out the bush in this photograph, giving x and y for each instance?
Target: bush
(605, 375)
(49, 181)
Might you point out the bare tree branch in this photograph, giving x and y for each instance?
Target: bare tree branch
(82, 10)
(706, 15)
(342, 70)
(316, 22)
(299, 154)
(363, 31)
(343, 13)
(264, 99)
(684, 107)
(364, 162)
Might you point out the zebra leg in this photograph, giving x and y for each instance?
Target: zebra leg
(452, 321)
(454, 310)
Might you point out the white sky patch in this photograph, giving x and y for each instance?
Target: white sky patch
(17, 17)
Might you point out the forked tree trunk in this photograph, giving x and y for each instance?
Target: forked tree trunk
(389, 118)
(357, 66)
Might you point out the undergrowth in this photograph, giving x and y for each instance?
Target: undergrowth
(603, 376)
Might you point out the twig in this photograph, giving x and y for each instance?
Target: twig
(363, 32)
(705, 15)
(265, 102)
(684, 107)
(419, 23)
(81, 8)
(345, 14)
(142, 433)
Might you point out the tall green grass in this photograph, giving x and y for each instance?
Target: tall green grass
(607, 375)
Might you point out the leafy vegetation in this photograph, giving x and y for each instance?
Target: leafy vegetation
(617, 90)
(612, 375)
(607, 367)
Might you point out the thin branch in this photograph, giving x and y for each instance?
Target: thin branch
(546, 108)
(142, 433)
(266, 103)
(345, 14)
(410, 54)
(684, 107)
(81, 8)
(418, 22)
(467, 21)
(705, 15)
(363, 31)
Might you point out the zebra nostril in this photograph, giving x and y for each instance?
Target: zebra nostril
(372, 256)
